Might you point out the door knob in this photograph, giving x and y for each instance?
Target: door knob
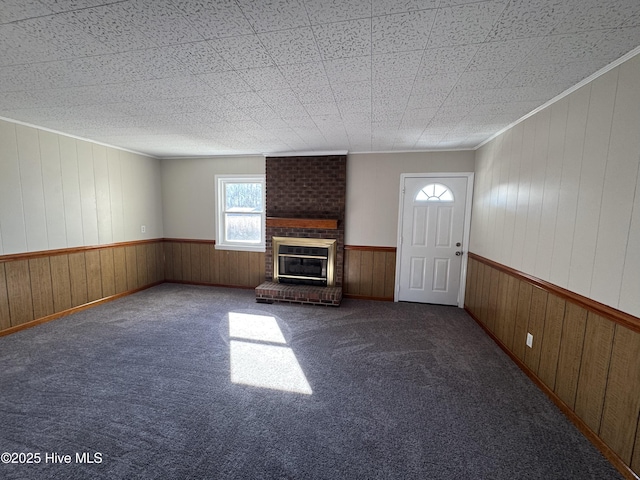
(458, 254)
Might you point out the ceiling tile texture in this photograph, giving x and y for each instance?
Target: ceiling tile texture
(174, 78)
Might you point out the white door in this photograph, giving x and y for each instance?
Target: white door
(431, 243)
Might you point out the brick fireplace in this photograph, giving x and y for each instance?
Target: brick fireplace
(305, 200)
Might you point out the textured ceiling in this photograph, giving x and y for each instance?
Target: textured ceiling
(189, 77)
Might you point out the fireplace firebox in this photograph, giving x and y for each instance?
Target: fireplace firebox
(304, 261)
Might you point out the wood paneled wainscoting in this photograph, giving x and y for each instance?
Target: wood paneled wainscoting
(585, 355)
(40, 286)
(369, 272)
(198, 262)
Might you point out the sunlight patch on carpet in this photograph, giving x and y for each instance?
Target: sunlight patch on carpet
(259, 358)
(249, 326)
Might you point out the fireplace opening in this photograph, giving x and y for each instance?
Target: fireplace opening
(303, 265)
(304, 261)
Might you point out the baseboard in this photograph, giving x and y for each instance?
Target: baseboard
(206, 284)
(69, 311)
(367, 297)
(608, 453)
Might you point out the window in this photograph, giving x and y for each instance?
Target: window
(240, 218)
(435, 192)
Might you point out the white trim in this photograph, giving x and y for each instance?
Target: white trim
(241, 248)
(221, 244)
(430, 150)
(466, 233)
(306, 154)
(582, 83)
(216, 156)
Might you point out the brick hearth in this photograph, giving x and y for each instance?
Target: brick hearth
(270, 292)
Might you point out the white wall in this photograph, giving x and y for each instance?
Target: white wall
(188, 192)
(558, 195)
(373, 190)
(59, 192)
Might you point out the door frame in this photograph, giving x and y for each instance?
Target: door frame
(465, 235)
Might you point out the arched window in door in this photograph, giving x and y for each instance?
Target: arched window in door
(435, 192)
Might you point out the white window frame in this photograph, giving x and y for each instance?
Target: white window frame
(221, 243)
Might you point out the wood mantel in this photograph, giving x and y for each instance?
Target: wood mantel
(318, 223)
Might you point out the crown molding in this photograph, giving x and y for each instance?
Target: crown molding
(321, 153)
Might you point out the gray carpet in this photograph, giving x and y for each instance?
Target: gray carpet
(143, 385)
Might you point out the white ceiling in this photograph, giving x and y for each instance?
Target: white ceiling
(195, 77)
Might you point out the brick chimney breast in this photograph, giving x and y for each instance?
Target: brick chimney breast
(311, 187)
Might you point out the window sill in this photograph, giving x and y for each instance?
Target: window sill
(241, 248)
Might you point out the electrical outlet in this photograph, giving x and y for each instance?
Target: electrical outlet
(143, 229)
(529, 340)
